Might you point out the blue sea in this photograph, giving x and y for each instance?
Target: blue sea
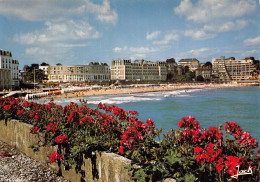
(211, 107)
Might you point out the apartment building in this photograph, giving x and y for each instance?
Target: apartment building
(9, 70)
(227, 69)
(138, 70)
(77, 73)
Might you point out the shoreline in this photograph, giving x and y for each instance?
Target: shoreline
(134, 90)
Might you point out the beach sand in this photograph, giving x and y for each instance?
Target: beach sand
(169, 87)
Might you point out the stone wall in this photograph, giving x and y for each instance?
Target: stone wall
(109, 166)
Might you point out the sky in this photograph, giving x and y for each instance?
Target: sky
(79, 32)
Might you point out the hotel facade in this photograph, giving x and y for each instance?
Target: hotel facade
(139, 70)
(231, 69)
(77, 73)
(9, 71)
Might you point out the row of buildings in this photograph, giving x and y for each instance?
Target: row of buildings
(221, 70)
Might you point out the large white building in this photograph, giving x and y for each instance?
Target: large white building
(9, 71)
(138, 70)
(77, 73)
(227, 69)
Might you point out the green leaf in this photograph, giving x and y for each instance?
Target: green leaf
(189, 178)
(140, 175)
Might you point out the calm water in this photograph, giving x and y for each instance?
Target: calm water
(211, 107)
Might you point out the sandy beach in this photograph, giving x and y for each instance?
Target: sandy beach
(169, 87)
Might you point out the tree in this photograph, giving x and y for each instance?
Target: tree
(200, 78)
(207, 64)
(186, 69)
(33, 74)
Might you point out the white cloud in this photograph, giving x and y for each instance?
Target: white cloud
(39, 10)
(51, 55)
(105, 14)
(62, 32)
(117, 49)
(199, 34)
(252, 41)
(142, 50)
(138, 56)
(251, 53)
(66, 22)
(204, 52)
(211, 30)
(36, 51)
(208, 18)
(204, 11)
(168, 38)
(136, 50)
(153, 35)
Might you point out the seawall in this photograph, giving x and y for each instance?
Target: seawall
(106, 167)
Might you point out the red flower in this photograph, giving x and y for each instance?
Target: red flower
(133, 112)
(52, 127)
(247, 140)
(55, 157)
(102, 106)
(7, 107)
(181, 124)
(121, 150)
(26, 104)
(34, 130)
(210, 155)
(86, 120)
(19, 112)
(233, 128)
(258, 153)
(220, 165)
(62, 139)
(231, 163)
(198, 150)
(73, 117)
(212, 135)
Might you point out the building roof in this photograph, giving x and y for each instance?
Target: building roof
(5, 53)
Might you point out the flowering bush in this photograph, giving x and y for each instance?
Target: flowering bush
(187, 154)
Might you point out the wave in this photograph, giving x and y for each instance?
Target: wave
(122, 99)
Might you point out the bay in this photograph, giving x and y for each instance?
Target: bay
(211, 107)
